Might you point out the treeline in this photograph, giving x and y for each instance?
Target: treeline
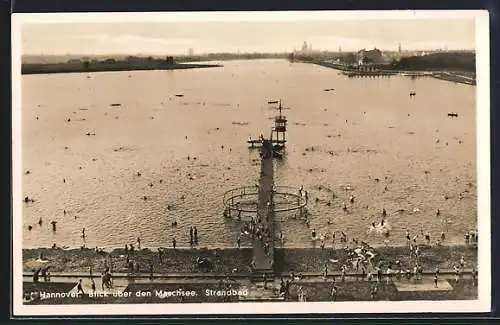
(348, 57)
(230, 56)
(458, 61)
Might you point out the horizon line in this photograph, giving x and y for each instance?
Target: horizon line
(255, 52)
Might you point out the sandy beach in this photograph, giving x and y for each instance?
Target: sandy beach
(233, 261)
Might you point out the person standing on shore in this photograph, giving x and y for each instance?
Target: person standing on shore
(138, 243)
(457, 272)
(334, 293)
(36, 275)
(174, 243)
(379, 274)
(79, 288)
(474, 276)
(93, 286)
(462, 262)
(238, 242)
(389, 274)
(373, 293)
(300, 294)
(195, 235)
(435, 280)
(160, 255)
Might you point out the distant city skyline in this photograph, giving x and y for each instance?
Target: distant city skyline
(181, 38)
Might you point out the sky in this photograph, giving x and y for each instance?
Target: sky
(175, 37)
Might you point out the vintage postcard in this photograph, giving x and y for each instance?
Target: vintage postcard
(251, 163)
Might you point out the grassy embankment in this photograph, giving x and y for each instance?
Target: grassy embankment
(43, 68)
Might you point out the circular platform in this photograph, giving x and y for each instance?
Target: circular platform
(246, 198)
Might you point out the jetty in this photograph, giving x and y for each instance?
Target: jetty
(361, 73)
(265, 199)
(263, 247)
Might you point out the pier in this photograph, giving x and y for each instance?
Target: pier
(263, 247)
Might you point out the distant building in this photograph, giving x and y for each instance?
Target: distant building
(305, 48)
(370, 56)
(190, 52)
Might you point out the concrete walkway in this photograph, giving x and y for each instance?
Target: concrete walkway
(191, 276)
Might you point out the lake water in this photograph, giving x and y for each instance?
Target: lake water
(366, 128)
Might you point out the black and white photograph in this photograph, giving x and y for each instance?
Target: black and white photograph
(251, 162)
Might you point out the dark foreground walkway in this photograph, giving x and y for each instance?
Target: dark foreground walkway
(314, 287)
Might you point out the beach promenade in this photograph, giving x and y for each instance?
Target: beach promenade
(143, 288)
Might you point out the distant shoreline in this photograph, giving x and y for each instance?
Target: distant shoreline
(443, 74)
(28, 69)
